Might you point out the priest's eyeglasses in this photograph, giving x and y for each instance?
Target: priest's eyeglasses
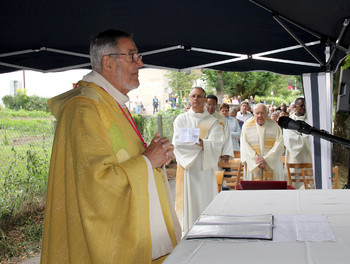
(135, 57)
(192, 96)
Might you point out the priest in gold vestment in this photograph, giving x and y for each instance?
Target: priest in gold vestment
(108, 199)
(262, 147)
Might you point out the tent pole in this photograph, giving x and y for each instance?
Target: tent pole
(279, 21)
(345, 24)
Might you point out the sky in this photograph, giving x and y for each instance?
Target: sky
(41, 84)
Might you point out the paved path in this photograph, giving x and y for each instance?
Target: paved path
(36, 260)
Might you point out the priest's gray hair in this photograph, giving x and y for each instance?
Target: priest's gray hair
(261, 104)
(103, 44)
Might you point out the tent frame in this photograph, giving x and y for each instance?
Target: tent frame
(263, 56)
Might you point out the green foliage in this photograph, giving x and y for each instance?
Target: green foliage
(181, 80)
(40, 127)
(23, 101)
(25, 150)
(245, 84)
(347, 63)
(219, 80)
(25, 178)
(23, 113)
(148, 125)
(277, 100)
(25, 238)
(140, 121)
(37, 103)
(170, 112)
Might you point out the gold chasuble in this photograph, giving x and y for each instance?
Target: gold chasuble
(97, 207)
(265, 141)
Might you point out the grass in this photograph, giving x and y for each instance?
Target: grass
(25, 150)
(20, 236)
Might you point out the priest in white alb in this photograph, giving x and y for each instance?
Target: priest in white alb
(198, 139)
(227, 147)
(262, 147)
(297, 145)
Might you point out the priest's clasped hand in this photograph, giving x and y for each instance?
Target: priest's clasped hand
(261, 161)
(160, 152)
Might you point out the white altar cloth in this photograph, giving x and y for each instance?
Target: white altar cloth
(334, 204)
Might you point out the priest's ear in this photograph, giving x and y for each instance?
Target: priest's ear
(108, 64)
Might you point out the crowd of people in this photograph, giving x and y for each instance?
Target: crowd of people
(249, 128)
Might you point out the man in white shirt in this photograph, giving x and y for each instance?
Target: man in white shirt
(243, 114)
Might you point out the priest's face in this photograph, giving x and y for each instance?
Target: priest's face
(260, 114)
(125, 68)
(300, 107)
(197, 100)
(211, 105)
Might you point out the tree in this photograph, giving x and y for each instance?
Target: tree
(246, 84)
(181, 82)
(341, 120)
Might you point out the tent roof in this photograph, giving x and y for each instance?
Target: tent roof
(54, 35)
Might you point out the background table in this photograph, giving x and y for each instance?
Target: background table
(335, 204)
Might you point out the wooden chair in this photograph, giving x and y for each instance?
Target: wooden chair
(308, 178)
(232, 172)
(309, 181)
(294, 175)
(335, 179)
(236, 154)
(219, 179)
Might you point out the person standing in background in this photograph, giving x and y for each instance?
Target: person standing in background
(155, 104)
(198, 139)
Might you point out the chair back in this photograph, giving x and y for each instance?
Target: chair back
(236, 154)
(295, 174)
(335, 179)
(308, 178)
(219, 179)
(232, 172)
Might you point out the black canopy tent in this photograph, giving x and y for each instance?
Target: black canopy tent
(290, 37)
(287, 36)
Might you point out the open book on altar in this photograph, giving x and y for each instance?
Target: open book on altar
(233, 226)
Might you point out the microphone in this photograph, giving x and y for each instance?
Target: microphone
(301, 126)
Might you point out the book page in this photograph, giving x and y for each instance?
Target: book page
(189, 135)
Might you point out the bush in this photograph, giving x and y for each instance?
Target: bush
(148, 125)
(292, 95)
(22, 101)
